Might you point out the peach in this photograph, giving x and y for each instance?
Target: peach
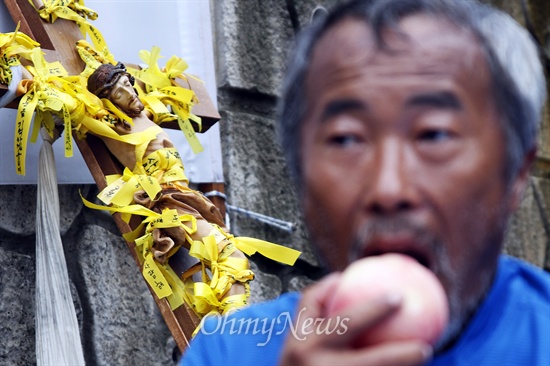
(424, 312)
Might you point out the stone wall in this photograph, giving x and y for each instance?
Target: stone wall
(120, 323)
(529, 232)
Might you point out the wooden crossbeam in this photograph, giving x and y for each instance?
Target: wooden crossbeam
(58, 41)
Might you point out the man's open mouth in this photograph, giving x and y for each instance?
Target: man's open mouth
(415, 250)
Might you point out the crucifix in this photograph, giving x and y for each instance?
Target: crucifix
(57, 40)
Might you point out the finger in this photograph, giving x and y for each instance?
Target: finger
(315, 296)
(310, 308)
(359, 319)
(393, 354)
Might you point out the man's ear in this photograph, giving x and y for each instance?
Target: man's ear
(522, 179)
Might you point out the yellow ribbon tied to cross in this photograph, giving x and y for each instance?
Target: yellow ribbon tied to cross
(209, 295)
(121, 191)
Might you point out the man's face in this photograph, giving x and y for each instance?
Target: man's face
(402, 151)
(124, 96)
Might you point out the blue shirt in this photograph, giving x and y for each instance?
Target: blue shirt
(511, 327)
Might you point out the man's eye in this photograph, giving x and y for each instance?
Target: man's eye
(434, 135)
(345, 140)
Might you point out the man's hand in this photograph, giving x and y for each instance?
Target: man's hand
(336, 348)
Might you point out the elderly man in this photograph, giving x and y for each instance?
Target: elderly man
(410, 126)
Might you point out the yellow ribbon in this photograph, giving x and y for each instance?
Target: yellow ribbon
(49, 10)
(155, 278)
(42, 93)
(74, 10)
(269, 250)
(165, 165)
(160, 167)
(108, 105)
(162, 279)
(177, 298)
(181, 101)
(251, 246)
(121, 192)
(151, 76)
(22, 127)
(158, 109)
(209, 295)
(12, 45)
(160, 86)
(167, 219)
(101, 129)
(175, 67)
(226, 270)
(91, 57)
(220, 262)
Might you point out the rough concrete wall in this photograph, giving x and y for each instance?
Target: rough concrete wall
(529, 232)
(252, 40)
(120, 323)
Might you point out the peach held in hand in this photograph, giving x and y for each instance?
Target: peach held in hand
(424, 311)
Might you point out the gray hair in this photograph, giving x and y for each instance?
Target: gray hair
(518, 83)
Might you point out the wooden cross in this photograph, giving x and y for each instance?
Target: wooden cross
(58, 41)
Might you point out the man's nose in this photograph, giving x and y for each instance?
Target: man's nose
(392, 187)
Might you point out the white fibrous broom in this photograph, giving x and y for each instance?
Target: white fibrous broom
(57, 332)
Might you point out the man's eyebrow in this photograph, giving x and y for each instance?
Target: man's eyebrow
(443, 99)
(340, 106)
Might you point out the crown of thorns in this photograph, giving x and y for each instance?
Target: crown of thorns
(105, 77)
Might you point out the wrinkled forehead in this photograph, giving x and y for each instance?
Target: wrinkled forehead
(420, 42)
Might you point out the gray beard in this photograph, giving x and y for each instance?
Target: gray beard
(461, 311)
